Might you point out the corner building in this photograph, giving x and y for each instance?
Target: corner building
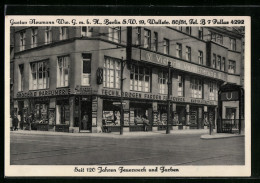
(69, 78)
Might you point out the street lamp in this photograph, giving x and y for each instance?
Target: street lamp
(121, 97)
(168, 98)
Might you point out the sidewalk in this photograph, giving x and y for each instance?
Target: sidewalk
(220, 136)
(112, 134)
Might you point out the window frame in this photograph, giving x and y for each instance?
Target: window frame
(34, 84)
(232, 44)
(116, 70)
(233, 65)
(48, 35)
(162, 81)
(88, 32)
(64, 33)
(34, 35)
(22, 40)
(180, 89)
(155, 39)
(188, 53)
(136, 84)
(223, 64)
(147, 38)
(178, 50)
(218, 62)
(196, 88)
(59, 81)
(200, 32)
(20, 77)
(114, 30)
(214, 61)
(138, 36)
(87, 75)
(166, 46)
(200, 57)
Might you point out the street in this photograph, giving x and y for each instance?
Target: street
(158, 149)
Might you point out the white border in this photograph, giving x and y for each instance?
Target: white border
(184, 171)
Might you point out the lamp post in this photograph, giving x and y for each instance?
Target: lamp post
(121, 97)
(168, 98)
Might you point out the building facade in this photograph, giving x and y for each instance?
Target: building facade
(69, 78)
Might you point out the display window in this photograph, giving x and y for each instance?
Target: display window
(62, 113)
(180, 115)
(111, 114)
(140, 114)
(162, 115)
(41, 113)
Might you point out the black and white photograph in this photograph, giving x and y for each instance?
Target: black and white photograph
(127, 96)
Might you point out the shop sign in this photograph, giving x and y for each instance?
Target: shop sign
(43, 93)
(137, 95)
(84, 90)
(229, 96)
(181, 65)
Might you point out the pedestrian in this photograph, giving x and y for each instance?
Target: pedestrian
(85, 121)
(145, 122)
(15, 122)
(30, 121)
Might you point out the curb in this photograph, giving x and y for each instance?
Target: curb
(219, 137)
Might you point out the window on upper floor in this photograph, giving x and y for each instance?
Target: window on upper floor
(214, 61)
(179, 28)
(166, 46)
(200, 57)
(48, 35)
(155, 41)
(218, 62)
(215, 37)
(39, 75)
(223, 63)
(34, 37)
(147, 39)
(188, 30)
(180, 86)
(138, 36)
(232, 66)
(86, 31)
(64, 33)
(140, 78)
(21, 77)
(112, 73)
(233, 44)
(114, 34)
(188, 53)
(178, 50)
(200, 33)
(63, 68)
(162, 81)
(196, 88)
(213, 91)
(22, 40)
(86, 69)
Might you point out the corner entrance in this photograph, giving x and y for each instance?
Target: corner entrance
(85, 124)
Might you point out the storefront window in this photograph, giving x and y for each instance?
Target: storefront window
(112, 72)
(62, 112)
(138, 116)
(162, 80)
(162, 115)
(111, 114)
(180, 116)
(41, 113)
(196, 88)
(86, 72)
(140, 79)
(39, 77)
(63, 71)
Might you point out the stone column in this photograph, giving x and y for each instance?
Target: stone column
(97, 114)
(72, 105)
(187, 114)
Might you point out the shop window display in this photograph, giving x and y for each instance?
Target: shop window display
(111, 118)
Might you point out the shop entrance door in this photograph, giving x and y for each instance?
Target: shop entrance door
(194, 118)
(86, 124)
